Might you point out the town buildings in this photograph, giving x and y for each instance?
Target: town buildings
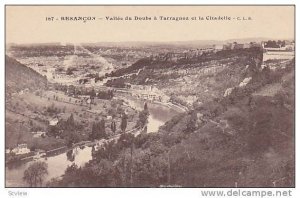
(20, 149)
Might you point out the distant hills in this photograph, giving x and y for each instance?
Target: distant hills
(184, 44)
(19, 77)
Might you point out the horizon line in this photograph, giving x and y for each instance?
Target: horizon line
(143, 41)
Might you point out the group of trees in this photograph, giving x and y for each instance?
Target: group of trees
(66, 129)
(53, 110)
(108, 95)
(71, 90)
(35, 174)
(118, 83)
(70, 70)
(275, 44)
(98, 130)
(143, 118)
(192, 122)
(103, 171)
(134, 67)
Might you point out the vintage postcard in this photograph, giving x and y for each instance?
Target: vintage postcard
(149, 96)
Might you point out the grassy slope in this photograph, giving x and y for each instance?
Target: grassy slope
(19, 77)
(254, 149)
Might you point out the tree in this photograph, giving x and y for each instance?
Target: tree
(70, 155)
(145, 106)
(53, 131)
(192, 123)
(118, 83)
(102, 132)
(113, 126)
(92, 96)
(98, 130)
(143, 118)
(70, 123)
(71, 89)
(35, 173)
(124, 122)
(69, 71)
(72, 137)
(93, 135)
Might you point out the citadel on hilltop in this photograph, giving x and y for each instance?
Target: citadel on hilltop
(267, 46)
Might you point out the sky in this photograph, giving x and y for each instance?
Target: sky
(27, 24)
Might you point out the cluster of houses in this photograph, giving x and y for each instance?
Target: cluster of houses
(53, 121)
(38, 134)
(145, 92)
(150, 93)
(20, 149)
(235, 45)
(280, 50)
(23, 148)
(127, 52)
(288, 45)
(285, 45)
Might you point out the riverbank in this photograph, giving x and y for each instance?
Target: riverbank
(59, 159)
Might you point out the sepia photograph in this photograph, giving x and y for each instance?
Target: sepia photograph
(129, 96)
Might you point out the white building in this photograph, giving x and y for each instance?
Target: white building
(53, 122)
(39, 153)
(219, 47)
(38, 134)
(21, 149)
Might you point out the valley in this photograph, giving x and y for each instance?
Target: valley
(150, 116)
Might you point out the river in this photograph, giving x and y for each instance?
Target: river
(57, 164)
(159, 114)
